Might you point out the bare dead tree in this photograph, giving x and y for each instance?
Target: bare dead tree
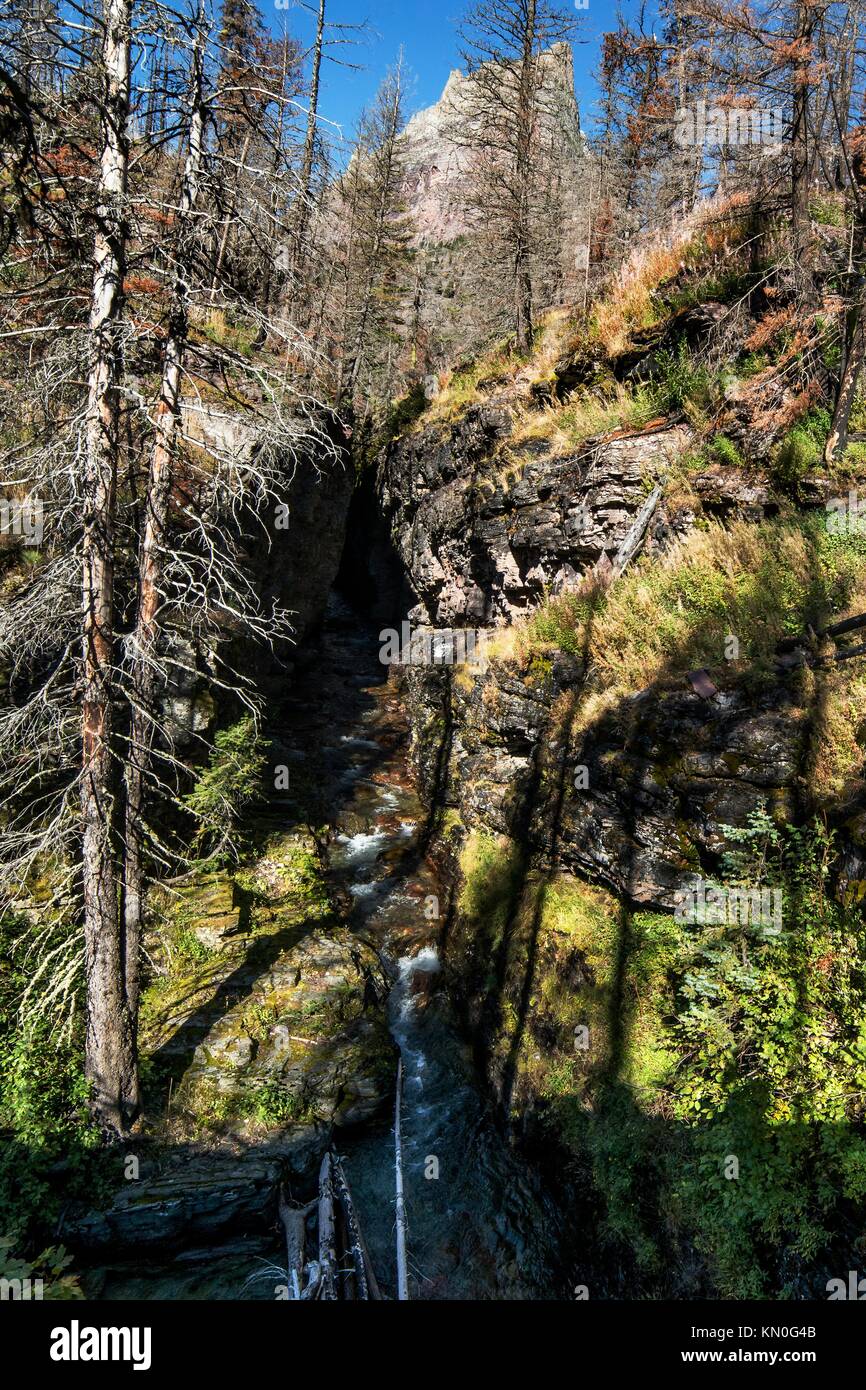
(304, 194)
(88, 761)
(854, 340)
(144, 640)
(376, 246)
(110, 1063)
(509, 50)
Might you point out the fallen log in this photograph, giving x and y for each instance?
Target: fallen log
(634, 535)
(847, 625)
(605, 570)
(356, 1248)
(327, 1232)
(809, 638)
(402, 1270)
(294, 1221)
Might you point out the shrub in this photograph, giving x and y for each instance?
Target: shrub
(725, 451)
(801, 449)
(680, 380)
(829, 212)
(230, 784)
(560, 621)
(753, 364)
(48, 1267)
(43, 1109)
(706, 1043)
(402, 415)
(854, 459)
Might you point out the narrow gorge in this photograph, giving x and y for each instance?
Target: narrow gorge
(432, 664)
(477, 859)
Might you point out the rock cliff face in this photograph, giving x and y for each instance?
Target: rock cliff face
(666, 770)
(454, 285)
(435, 166)
(436, 159)
(292, 545)
(487, 528)
(485, 534)
(289, 548)
(569, 812)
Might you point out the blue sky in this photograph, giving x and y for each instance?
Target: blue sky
(427, 29)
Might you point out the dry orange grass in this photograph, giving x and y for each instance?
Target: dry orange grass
(628, 304)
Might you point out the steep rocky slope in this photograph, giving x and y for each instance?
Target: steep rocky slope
(485, 538)
(620, 746)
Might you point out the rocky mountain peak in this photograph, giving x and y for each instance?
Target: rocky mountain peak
(437, 160)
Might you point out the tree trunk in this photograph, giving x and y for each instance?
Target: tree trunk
(855, 355)
(402, 1262)
(294, 1225)
(151, 558)
(800, 222)
(383, 195)
(522, 276)
(366, 1284)
(343, 362)
(522, 300)
(855, 324)
(110, 1060)
(299, 249)
(229, 219)
(327, 1232)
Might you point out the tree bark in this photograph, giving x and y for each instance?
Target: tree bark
(855, 356)
(294, 1225)
(383, 195)
(110, 1059)
(299, 248)
(229, 219)
(402, 1262)
(365, 1279)
(327, 1232)
(522, 274)
(855, 323)
(800, 222)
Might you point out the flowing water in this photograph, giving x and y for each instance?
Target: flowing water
(480, 1224)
